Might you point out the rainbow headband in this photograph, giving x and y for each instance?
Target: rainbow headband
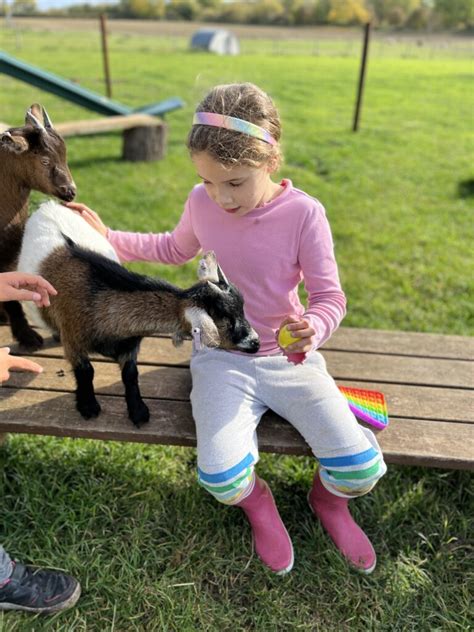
(236, 124)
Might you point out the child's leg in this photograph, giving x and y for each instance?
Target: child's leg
(227, 411)
(350, 459)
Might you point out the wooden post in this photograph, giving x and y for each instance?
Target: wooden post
(360, 89)
(105, 54)
(3, 436)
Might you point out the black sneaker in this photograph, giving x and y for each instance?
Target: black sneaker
(38, 590)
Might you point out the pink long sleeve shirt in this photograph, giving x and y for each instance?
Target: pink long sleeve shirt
(265, 253)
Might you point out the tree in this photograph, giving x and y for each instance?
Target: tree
(394, 11)
(182, 10)
(266, 12)
(142, 8)
(23, 7)
(456, 13)
(348, 12)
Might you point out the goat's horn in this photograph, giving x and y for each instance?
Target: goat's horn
(46, 119)
(222, 277)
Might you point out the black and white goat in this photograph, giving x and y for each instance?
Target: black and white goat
(103, 307)
(32, 157)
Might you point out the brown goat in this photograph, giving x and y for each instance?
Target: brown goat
(32, 157)
(104, 308)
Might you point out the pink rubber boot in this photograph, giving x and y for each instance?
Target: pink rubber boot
(333, 513)
(271, 540)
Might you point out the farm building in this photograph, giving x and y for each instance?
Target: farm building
(217, 41)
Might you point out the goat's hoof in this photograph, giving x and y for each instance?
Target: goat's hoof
(30, 340)
(140, 415)
(89, 410)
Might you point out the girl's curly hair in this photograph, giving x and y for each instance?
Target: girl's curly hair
(229, 147)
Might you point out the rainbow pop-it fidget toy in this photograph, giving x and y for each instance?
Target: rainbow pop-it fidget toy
(369, 406)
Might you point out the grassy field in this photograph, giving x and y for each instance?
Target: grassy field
(153, 551)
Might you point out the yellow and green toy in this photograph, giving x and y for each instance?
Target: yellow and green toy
(285, 338)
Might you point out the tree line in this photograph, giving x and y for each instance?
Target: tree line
(410, 14)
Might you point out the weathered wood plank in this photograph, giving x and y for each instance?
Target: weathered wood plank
(402, 343)
(415, 402)
(341, 365)
(373, 341)
(406, 441)
(400, 369)
(155, 350)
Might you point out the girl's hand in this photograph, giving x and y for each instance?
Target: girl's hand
(8, 363)
(89, 216)
(301, 329)
(19, 286)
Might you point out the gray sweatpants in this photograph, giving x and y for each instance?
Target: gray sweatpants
(5, 565)
(230, 394)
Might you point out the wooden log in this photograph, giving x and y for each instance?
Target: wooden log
(144, 143)
(89, 127)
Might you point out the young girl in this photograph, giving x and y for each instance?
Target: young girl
(267, 236)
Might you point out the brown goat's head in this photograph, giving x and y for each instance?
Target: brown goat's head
(40, 154)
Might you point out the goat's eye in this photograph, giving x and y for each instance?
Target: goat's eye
(45, 161)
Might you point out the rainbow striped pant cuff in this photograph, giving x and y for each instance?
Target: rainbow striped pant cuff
(231, 485)
(352, 475)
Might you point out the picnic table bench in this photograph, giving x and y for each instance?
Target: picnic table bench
(428, 381)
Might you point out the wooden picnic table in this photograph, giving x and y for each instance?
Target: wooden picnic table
(428, 381)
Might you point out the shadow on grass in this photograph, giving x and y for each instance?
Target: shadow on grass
(94, 160)
(466, 188)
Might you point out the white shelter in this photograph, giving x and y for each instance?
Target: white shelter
(217, 41)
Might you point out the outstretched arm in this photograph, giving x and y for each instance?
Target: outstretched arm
(174, 247)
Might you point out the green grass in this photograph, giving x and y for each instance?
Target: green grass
(154, 552)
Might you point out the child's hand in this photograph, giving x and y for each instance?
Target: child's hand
(89, 216)
(301, 329)
(19, 286)
(8, 362)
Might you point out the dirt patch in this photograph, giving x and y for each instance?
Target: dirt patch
(185, 29)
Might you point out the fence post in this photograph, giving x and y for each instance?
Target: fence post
(105, 54)
(360, 89)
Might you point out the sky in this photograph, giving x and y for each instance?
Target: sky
(55, 4)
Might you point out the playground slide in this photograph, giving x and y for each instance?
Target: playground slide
(49, 82)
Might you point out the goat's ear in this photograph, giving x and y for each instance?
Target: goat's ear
(34, 116)
(15, 144)
(210, 270)
(200, 319)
